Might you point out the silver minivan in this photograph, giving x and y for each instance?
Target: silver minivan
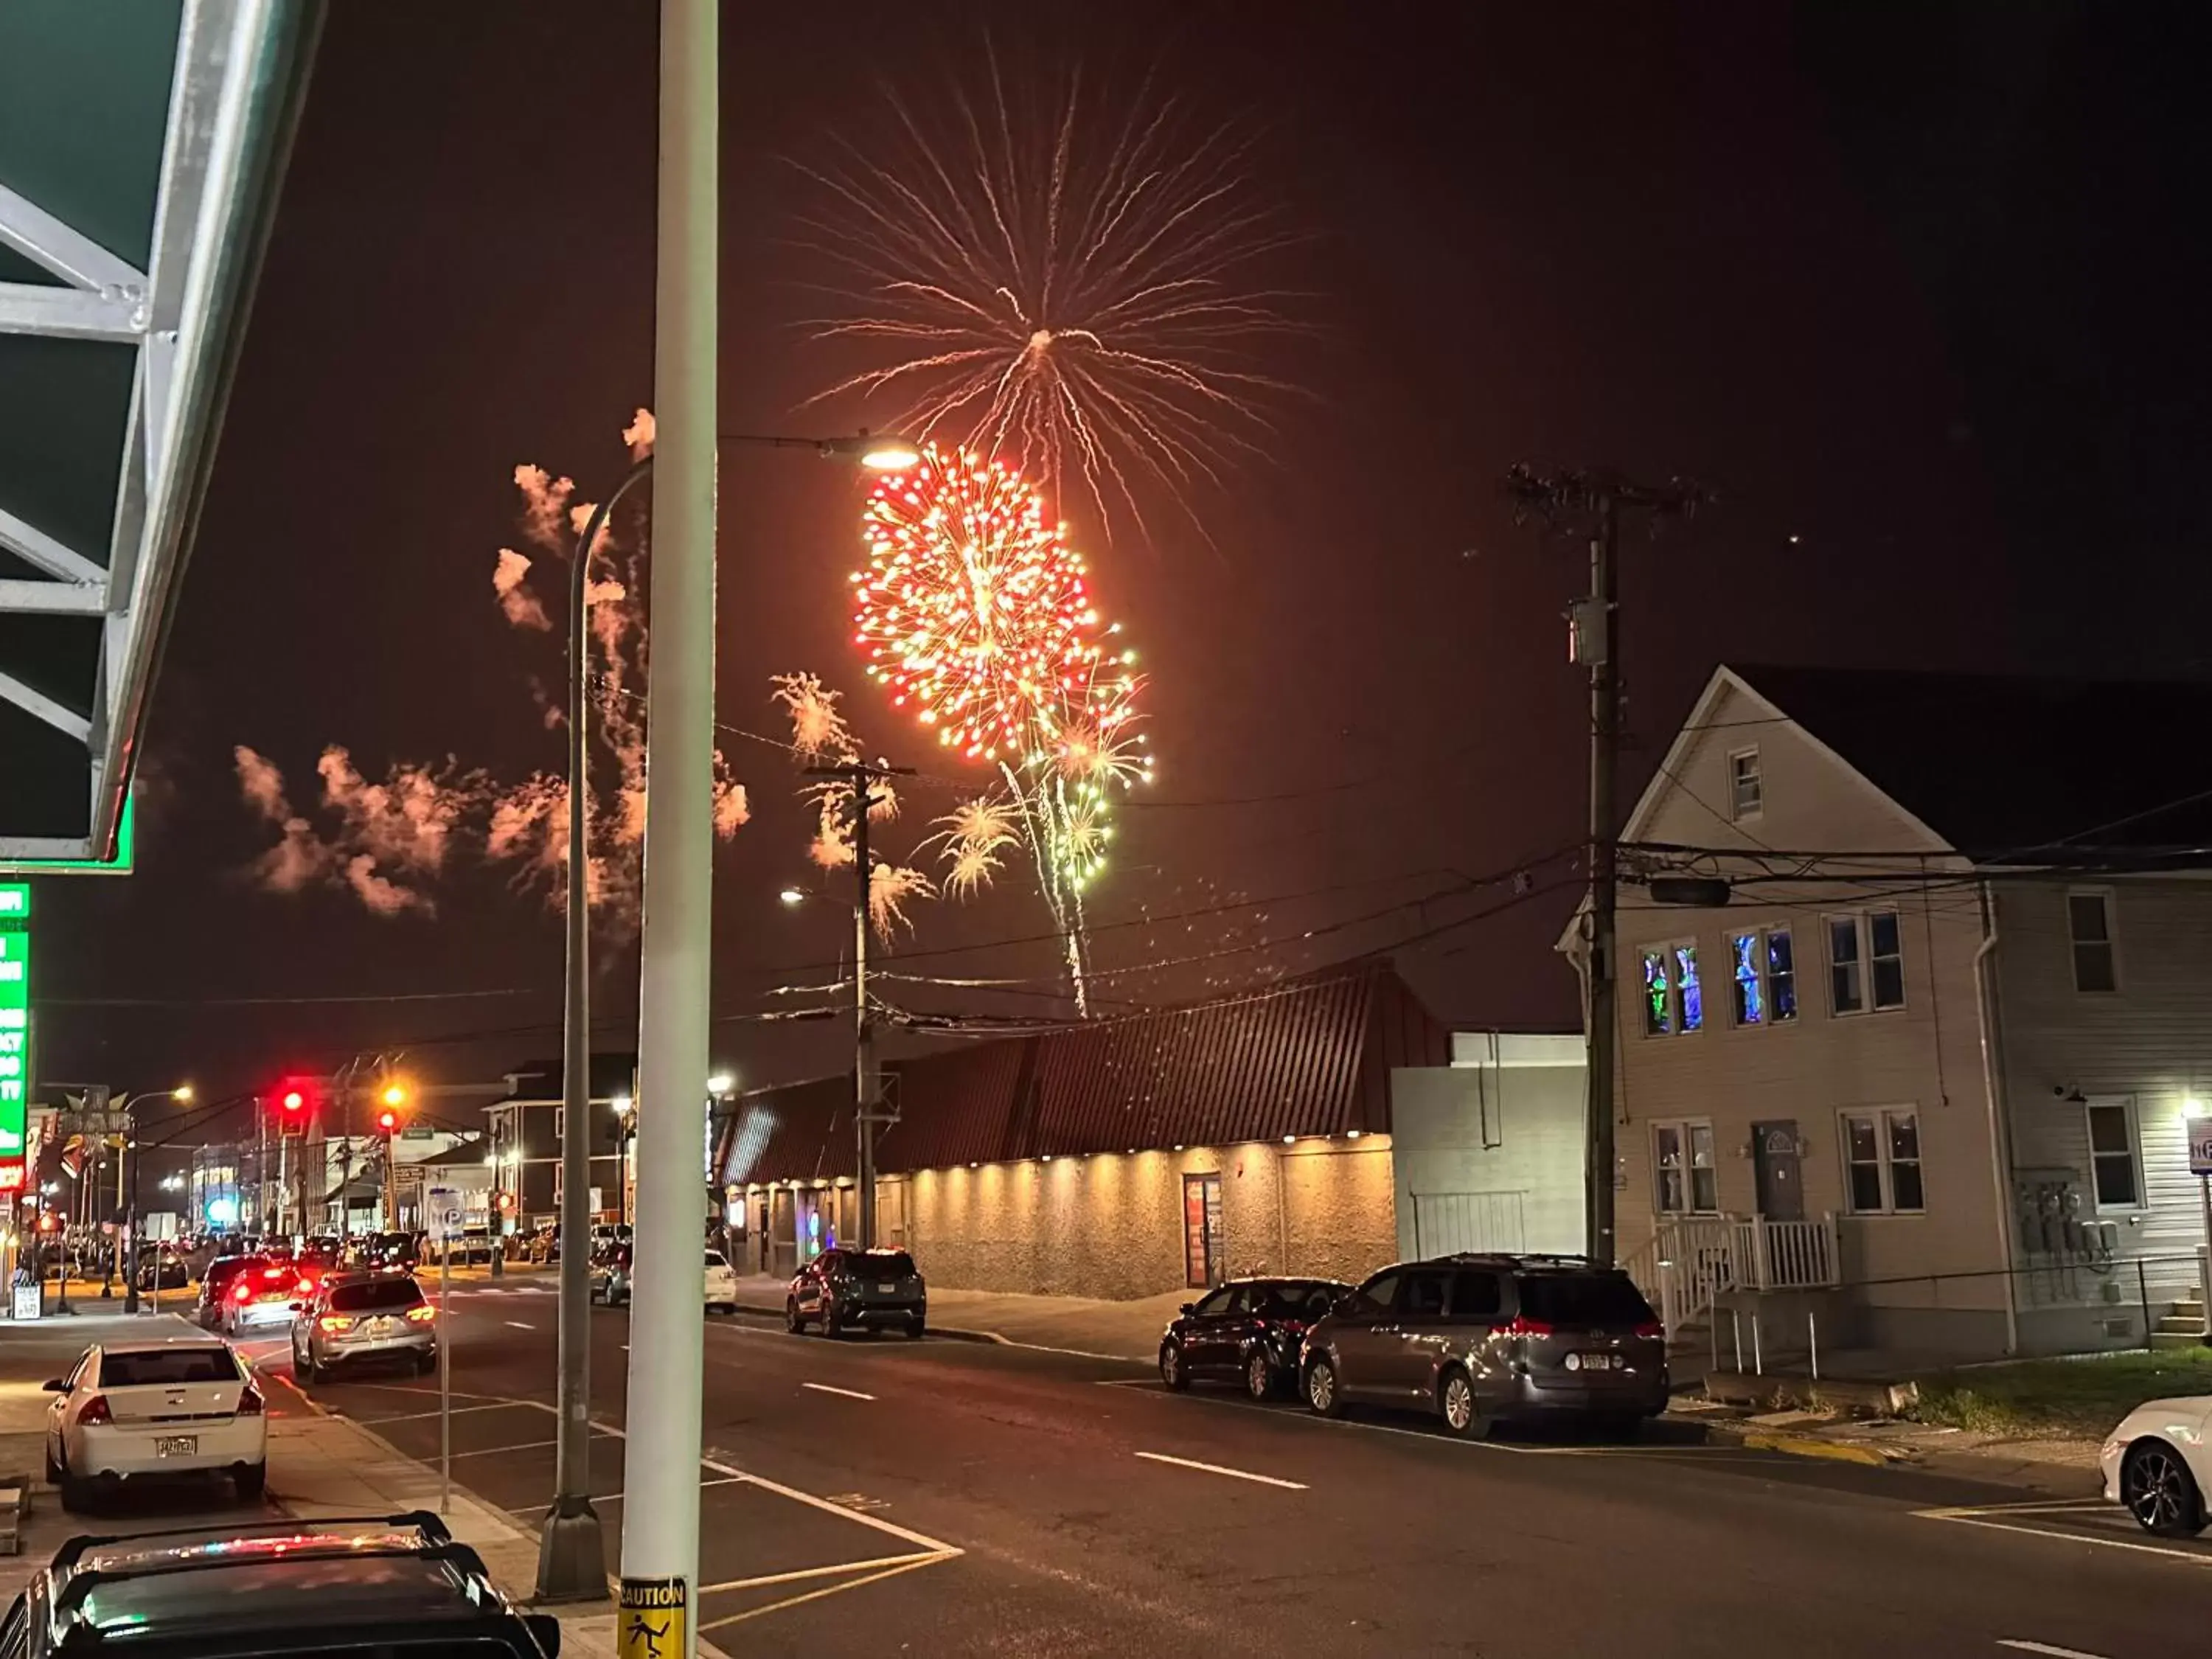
(1481, 1338)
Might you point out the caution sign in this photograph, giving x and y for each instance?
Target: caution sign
(651, 1619)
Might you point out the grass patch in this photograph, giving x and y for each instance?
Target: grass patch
(2084, 1396)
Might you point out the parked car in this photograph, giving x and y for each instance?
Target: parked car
(471, 1247)
(610, 1274)
(721, 1282)
(158, 1262)
(358, 1319)
(1479, 1339)
(863, 1288)
(392, 1584)
(2156, 1463)
(262, 1293)
(169, 1406)
(1249, 1330)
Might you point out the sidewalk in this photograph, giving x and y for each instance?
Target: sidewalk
(1061, 1324)
(2063, 1466)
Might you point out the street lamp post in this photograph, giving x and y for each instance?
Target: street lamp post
(182, 1093)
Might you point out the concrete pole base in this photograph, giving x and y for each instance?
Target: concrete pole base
(572, 1560)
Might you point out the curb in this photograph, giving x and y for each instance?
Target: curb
(1803, 1445)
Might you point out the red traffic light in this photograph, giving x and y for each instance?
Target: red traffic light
(294, 1100)
(387, 1122)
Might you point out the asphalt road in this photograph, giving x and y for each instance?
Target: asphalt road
(874, 1496)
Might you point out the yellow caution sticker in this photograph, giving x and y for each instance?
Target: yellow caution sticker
(651, 1619)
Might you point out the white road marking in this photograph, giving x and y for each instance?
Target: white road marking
(522, 1324)
(1217, 1469)
(1978, 1518)
(823, 1388)
(493, 1451)
(2045, 1647)
(876, 1562)
(418, 1416)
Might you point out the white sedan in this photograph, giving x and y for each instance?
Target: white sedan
(721, 1282)
(2156, 1463)
(179, 1405)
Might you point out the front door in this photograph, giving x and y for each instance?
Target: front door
(1775, 1167)
(1202, 1240)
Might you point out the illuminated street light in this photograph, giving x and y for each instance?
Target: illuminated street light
(792, 895)
(394, 1095)
(721, 1084)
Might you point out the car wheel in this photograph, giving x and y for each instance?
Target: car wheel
(53, 1470)
(792, 1321)
(1456, 1405)
(426, 1364)
(914, 1329)
(1173, 1372)
(832, 1326)
(250, 1478)
(1258, 1375)
(1324, 1391)
(2159, 1491)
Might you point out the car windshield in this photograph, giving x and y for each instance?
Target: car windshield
(1594, 1300)
(220, 1274)
(157, 1366)
(379, 1293)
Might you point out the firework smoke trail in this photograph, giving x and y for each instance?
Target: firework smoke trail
(387, 839)
(1093, 309)
(979, 618)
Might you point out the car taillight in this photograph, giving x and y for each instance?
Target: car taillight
(249, 1401)
(1522, 1325)
(243, 1293)
(1651, 1328)
(335, 1323)
(95, 1412)
(423, 1314)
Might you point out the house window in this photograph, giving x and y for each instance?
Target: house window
(1746, 794)
(1866, 962)
(1764, 972)
(2113, 1154)
(1881, 1162)
(1682, 1162)
(560, 1125)
(2089, 922)
(1674, 995)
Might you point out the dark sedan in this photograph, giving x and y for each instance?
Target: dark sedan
(1248, 1331)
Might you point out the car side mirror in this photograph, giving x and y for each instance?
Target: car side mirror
(1190, 1307)
(57, 1385)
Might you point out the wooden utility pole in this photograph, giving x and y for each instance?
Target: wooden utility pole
(1592, 501)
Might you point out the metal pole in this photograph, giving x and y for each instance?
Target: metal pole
(660, 1469)
(131, 1227)
(1813, 1342)
(444, 1368)
(864, 1033)
(2142, 1295)
(1605, 745)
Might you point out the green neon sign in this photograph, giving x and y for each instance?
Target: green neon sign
(126, 850)
(15, 1015)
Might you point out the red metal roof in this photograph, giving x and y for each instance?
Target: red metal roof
(1311, 1056)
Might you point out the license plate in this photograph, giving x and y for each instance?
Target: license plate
(1595, 1362)
(384, 1326)
(177, 1445)
(886, 1290)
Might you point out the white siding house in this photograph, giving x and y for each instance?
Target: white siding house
(1923, 1075)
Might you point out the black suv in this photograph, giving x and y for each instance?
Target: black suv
(1479, 1339)
(862, 1288)
(1249, 1329)
(398, 1585)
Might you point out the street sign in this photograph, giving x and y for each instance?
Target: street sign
(444, 1212)
(28, 1301)
(2200, 1145)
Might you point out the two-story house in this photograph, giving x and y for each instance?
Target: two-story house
(524, 1133)
(1916, 1078)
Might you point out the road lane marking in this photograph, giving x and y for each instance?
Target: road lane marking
(830, 1589)
(418, 1417)
(522, 1324)
(877, 1561)
(616, 1498)
(493, 1451)
(1217, 1468)
(2045, 1647)
(824, 1387)
(1978, 1518)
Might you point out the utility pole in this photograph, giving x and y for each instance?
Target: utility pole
(1592, 501)
(860, 779)
(660, 1466)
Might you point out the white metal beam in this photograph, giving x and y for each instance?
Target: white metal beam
(55, 598)
(27, 541)
(68, 253)
(68, 313)
(39, 706)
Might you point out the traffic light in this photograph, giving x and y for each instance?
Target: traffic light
(296, 1098)
(387, 1122)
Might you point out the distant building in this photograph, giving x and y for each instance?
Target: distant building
(525, 1130)
(1314, 1127)
(1923, 1084)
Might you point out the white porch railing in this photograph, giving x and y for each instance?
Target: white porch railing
(1690, 1262)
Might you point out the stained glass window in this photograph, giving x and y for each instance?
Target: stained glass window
(1658, 996)
(1750, 991)
(1686, 981)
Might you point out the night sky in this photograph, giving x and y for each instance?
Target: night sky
(1916, 290)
